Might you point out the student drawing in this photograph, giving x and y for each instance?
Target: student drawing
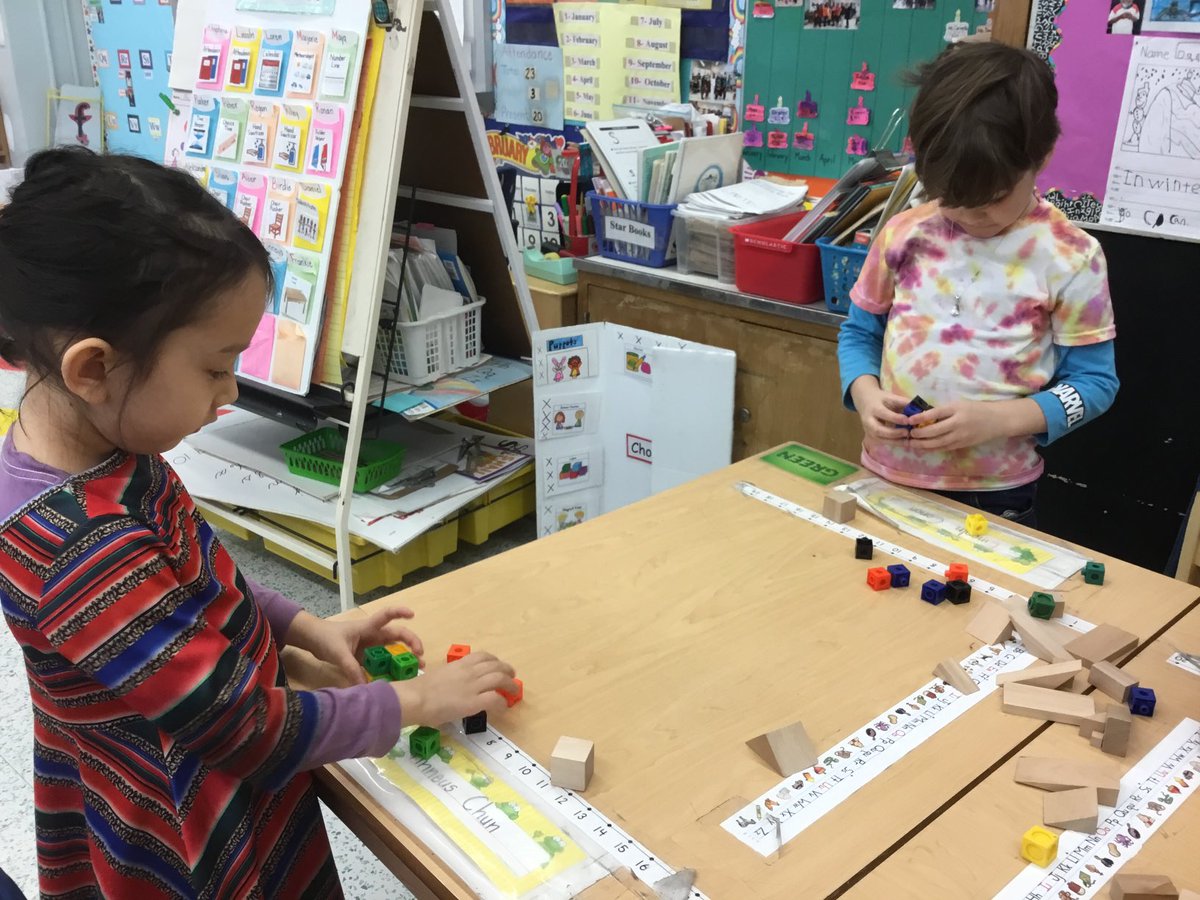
(1165, 117)
(559, 365)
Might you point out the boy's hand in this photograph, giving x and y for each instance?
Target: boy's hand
(880, 411)
(457, 689)
(341, 643)
(968, 423)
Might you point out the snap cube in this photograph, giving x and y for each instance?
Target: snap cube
(1141, 701)
(424, 742)
(476, 724)
(976, 525)
(457, 651)
(863, 548)
(957, 572)
(933, 592)
(404, 667)
(376, 660)
(958, 592)
(879, 578)
(514, 697)
(1093, 573)
(1041, 605)
(1039, 846)
(900, 575)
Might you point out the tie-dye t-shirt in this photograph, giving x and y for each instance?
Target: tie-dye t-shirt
(1041, 283)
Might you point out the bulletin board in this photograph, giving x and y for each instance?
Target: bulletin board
(788, 64)
(1090, 66)
(131, 52)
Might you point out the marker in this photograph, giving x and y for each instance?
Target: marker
(171, 106)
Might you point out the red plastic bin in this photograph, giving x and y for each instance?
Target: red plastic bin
(765, 264)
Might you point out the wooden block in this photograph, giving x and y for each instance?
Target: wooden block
(1075, 810)
(1063, 774)
(571, 763)
(1060, 606)
(1043, 703)
(1142, 887)
(991, 624)
(1113, 681)
(1104, 643)
(1116, 730)
(1185, 894)
(840, 506)
(1092, 724)
(787, 750)
(952, 672)
(1051, 675)
(1039, 637)
(1097, 739)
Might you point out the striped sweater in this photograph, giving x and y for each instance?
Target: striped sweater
(166, 741)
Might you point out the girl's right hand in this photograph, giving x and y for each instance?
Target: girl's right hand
(880, 411)
(457, 689)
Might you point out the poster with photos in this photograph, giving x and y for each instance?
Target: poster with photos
(833, 14)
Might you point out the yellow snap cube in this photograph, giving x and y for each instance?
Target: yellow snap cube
(397, 649)
(976, 525)
(1039, 846)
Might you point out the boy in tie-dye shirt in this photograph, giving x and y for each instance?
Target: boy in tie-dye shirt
(985, 302)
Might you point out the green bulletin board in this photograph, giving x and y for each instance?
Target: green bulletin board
(785, 59)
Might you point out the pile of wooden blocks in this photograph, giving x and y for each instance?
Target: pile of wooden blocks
(1045, 691)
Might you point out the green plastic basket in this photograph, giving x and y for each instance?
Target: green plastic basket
(319, 456)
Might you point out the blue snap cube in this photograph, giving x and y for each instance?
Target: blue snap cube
(1141, 701)
(900, 575)
(933, 591)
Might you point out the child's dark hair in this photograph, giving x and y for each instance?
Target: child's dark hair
(985, 115)
(114, 247)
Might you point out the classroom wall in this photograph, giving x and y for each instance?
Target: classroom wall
(1123, 483)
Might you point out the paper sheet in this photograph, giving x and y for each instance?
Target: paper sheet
(1041, 563)
(1154, 178)
(1151, 791)
(529, 88)
(616, 53)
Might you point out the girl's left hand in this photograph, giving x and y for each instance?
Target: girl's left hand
(955, 426)
(341, 643)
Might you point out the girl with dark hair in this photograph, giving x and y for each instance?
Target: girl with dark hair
(171, 757)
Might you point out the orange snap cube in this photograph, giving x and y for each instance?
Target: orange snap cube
(879, 578)
(397, 649)
(514, 697)
(957, 572)
(457, 651)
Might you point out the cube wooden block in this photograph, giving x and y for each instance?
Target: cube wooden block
(1093, 725)
(1117, 726)
(840, 506)
(1064, 774)
(1076, 809)
(1043, 703)
(571, 763)
(1112, 681)
(992, 624)
(1097, 739)
(787, 750)
(1142, 887)
(1104, 643)
(1051, 675)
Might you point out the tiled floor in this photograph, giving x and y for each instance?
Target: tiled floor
(363, 877)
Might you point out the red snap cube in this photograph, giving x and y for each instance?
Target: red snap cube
(457, 651)
(514, 697)
(957, 572)
(879, 578)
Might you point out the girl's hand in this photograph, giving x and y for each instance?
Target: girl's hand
(955, 426)
(457, 689)
(341, 643)
(880, 411)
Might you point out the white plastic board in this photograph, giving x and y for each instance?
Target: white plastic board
(621, 414)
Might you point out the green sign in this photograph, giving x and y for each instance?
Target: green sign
(809, 464)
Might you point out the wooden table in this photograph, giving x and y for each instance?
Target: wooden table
(672, 631)
(972, 850)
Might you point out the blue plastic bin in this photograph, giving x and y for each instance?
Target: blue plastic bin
(840, 268)
(634, 232)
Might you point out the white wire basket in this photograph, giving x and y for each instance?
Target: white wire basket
(436, 346)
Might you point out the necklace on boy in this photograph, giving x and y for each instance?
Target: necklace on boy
(957, 311)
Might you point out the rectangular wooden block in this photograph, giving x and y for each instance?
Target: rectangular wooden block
(1051, 774)
(840, 506)
(572, 762)
(1113, 681)
(1076, 809)
(1142, 887)
(1117, 726)
(1043, 703)
(1104, 643)
(1051, 675)
(1060, 606)
(787, 750)
(1040, 638)
(1092, 725)
(952, 672)
(992, 624)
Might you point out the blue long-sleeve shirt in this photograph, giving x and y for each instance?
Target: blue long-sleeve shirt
(1083, 387)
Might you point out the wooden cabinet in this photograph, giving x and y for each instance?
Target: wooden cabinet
(787, 374)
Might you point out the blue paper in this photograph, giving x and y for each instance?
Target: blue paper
(529, 85)
(132, 54)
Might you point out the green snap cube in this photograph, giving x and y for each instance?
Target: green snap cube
(403, 667)
(424, 742)
(376, 660)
